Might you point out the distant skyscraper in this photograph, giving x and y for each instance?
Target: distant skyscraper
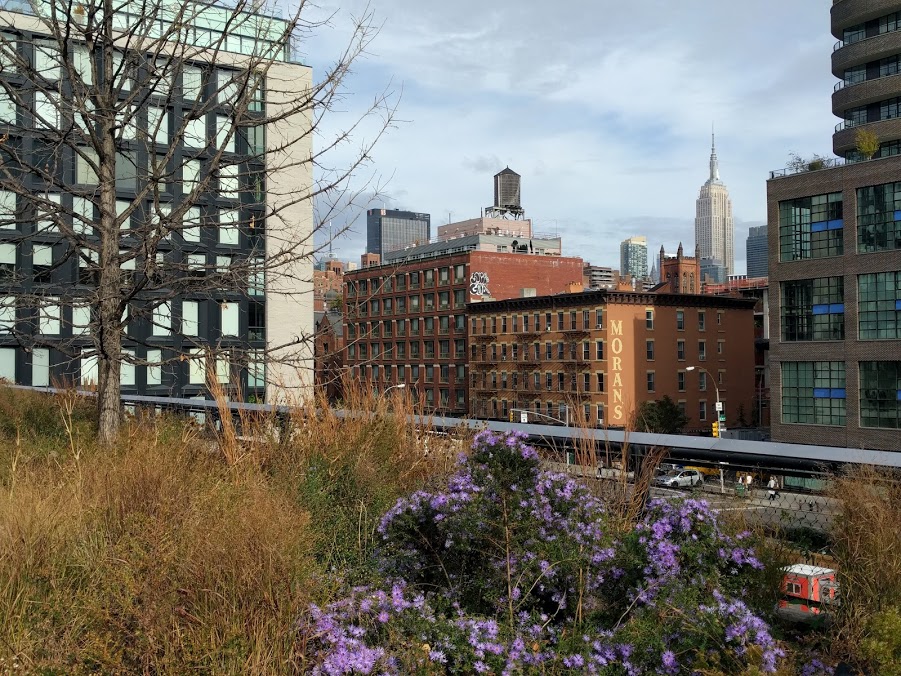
(713, 270)
(714, 227)
(390, 230)
(757, 252)
(633, 257)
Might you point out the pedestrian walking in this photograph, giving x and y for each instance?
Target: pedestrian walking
(771, 488)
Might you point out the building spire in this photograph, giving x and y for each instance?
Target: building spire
(714, 163)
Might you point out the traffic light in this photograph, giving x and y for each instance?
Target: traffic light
(716, 429)
(511, 415)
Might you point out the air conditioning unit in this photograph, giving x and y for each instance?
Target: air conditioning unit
(599, 326)
(503, 359)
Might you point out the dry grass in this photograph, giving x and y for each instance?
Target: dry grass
(176, 552)
(867, 548)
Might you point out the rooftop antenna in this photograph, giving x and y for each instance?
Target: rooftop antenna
(331, 240)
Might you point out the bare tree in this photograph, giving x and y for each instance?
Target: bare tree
(158, 154)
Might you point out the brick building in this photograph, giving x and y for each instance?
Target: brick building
(328, 354)
(328, 284)
(406, 320)
(602, 353)
(835, 305)
(680, 273)
(835, 255)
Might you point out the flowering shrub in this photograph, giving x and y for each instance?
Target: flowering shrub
(510, 570)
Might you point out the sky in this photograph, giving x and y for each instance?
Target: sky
(604, 108)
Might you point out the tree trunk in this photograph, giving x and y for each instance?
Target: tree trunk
(108, 322)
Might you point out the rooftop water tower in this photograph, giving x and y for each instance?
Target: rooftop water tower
(507, 197)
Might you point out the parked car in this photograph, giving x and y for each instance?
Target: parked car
(680, 477)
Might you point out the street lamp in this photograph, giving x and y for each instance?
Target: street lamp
(715, 386)
(394, 387)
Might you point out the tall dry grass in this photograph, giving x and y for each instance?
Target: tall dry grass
(181, 552)
(867, 548)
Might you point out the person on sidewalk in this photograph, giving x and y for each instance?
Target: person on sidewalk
(771, 488)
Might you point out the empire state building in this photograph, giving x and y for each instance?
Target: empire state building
(714, 227)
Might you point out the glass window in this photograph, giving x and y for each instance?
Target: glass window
(811, 227)
(7, 261)
(7, 109)
(223, 129)
(680, 320)
(197, 367)
(40, 367)
(680, 380)
(158, 125)
(650, 381)
(8, 364)
(154, 367)
(7, 314)
(680, 350)
(49, 317)
(880, 394)
(42, 262)
(189, 317)
(649, 319)
(879, 305)
(813, 392)
(813, 309)
(229, 315)
(190, 176)
(228, 227)
(192, 83)
(879, 217)
(81, 320)
(46, 59)
(46, 110)
(649, 348)
(195, 133)
(229, 184)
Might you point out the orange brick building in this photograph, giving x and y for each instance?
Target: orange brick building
(599, 354)
(406, 321)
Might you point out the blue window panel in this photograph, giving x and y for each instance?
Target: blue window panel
(821, 309)
(819, 226)
(899, 395)
(898, 215)
(836, 224)
(898, 304)
(836, 308)
(821, 393)
(837, 393)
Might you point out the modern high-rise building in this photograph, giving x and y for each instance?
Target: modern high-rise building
(713, 271)
(756, 252)
(176, 243)
(866, 62)
(714, 227)
(390, 230)
(633, 257)
(835, 272)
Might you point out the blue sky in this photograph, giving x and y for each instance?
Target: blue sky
(603, 107)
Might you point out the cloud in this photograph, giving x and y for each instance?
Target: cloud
(604, 108)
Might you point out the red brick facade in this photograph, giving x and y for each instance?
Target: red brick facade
(407, 322)
(603, 353)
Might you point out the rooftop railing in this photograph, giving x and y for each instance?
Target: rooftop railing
(813, 165)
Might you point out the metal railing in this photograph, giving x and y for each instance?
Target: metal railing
(771, 455)
(813, 165)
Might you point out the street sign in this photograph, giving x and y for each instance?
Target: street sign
(722, 419)
(523, 417)
(719, 406)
